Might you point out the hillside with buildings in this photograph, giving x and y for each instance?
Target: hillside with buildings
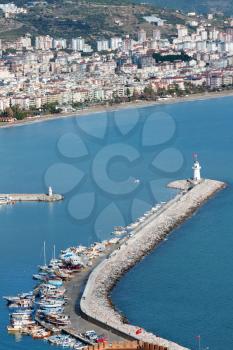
(148, 54)
(93, 19)
(76, 18)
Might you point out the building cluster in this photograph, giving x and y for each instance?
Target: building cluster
(11, 10)
(53, 70)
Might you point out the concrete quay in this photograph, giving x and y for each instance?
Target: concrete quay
(95, 302)
(74, 291)
(24, 197)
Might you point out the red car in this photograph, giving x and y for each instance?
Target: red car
(101, 339)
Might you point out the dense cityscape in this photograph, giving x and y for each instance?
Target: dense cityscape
(43, 74)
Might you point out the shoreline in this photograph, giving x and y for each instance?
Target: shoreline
(117, 107)
(96, 304)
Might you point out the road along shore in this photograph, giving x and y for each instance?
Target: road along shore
(95, 302)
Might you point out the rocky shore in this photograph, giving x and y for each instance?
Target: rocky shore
(95, 302)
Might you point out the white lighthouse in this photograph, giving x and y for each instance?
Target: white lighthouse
(50, 191)
(196, 171)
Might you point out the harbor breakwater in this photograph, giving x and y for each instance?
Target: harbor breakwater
(95, 303)
(27, 197)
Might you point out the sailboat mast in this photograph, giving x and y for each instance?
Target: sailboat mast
(54, 252)
(44, 255)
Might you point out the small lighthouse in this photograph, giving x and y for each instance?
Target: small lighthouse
(196, 170)
(50, 191)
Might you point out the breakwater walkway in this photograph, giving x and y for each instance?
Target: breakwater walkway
(24, 197)
(95, 303)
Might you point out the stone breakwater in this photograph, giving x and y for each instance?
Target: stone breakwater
(95, 302)
(24, 197)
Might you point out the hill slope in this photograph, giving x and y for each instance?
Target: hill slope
(203, 6)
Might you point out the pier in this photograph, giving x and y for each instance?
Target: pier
(24, 197)
(95, 303)
(88, 309)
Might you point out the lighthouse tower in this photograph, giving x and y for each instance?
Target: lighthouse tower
(196, 171)
(50, 191)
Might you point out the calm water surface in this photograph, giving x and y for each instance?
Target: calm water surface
(181, 290)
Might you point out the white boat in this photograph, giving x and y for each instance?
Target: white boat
(45, 266)
(4, 200)
(137, 181)
(50, 304)
(40, 276)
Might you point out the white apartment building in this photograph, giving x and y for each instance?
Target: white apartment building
(59, 44)
(115, 43)
(156, 34)
(141, 35)
(43, 42)
(102, 45)
(182, 31)
(78, 44)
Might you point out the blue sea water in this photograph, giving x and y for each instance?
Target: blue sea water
(184, 288)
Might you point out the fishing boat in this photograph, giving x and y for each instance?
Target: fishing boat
(41, 334)
(42, 276)
(43, 312)
(11, 299)
(21, 314)
(62, 340)
(47, 287)
(52, 294)
(58, 320)
(57, 282)
(14, 329)
(48, 304)
(79, 346)
(22, 304)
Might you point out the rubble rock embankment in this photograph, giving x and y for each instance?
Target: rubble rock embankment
(95, 302)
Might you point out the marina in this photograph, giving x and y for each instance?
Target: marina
(205, 237)
(42, 313)
(49, 311)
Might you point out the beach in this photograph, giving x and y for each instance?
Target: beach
(126, 105)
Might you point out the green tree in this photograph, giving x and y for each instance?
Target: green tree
(9, 113)
(148, 92)
(52, 108)
(19, 113)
